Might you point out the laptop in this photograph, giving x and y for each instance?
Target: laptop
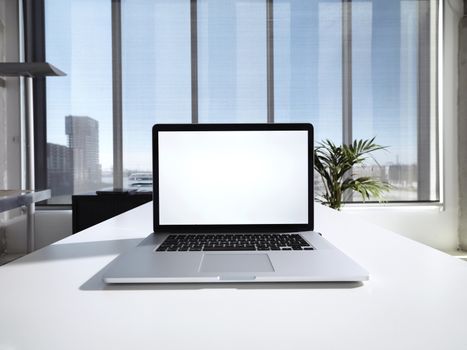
(233, 203)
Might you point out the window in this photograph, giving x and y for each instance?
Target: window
(232, 61)
(79, 106)
(354, 69)
(156, 77)
(308, 65)
(392, 60)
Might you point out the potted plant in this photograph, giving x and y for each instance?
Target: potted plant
(334, 164)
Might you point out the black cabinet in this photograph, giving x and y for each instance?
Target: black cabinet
(91, 209)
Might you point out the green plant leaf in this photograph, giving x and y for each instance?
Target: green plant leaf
(334, 164)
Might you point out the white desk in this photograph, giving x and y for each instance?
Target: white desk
(54, 299)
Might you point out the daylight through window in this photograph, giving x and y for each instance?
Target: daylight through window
(354, 69)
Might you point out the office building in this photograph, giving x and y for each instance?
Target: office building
(83, 141)
(59, 169)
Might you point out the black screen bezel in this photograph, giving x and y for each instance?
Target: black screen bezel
(231, 228)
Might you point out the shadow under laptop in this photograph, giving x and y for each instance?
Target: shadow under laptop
(96, 283)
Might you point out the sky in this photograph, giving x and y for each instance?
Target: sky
(232, 69)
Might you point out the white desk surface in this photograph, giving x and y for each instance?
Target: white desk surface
(54, 298)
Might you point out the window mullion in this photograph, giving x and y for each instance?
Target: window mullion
(117, 94)
(194, 60)
(270, 59)
(346, 71)
(423, 104)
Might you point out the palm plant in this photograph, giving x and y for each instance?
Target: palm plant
(335, 163)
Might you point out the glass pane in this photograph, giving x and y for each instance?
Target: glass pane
(232, 61)
(308, 65)
(79, 106)
(156, 78)
(387, 91)
(393, 81)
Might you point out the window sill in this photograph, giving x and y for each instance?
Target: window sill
(435, 205)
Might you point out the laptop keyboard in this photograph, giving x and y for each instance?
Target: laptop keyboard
(233, 242)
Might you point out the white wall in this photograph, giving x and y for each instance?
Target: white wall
(462, 133)
(432, 226)
(429, 225)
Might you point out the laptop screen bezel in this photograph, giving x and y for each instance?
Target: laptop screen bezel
(193, 228)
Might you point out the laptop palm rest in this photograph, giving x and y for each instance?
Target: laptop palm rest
(235, 263)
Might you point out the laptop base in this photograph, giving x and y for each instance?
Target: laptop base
(144, 264)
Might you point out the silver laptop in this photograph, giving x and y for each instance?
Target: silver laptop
(233, 203)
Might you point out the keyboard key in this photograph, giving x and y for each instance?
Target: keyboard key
(221, 249)
(234, 242)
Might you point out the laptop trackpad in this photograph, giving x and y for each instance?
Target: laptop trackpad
(236, 263)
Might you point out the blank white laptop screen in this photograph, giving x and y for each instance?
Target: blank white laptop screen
(233, 177)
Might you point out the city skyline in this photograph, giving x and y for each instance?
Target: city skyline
(74, 168)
